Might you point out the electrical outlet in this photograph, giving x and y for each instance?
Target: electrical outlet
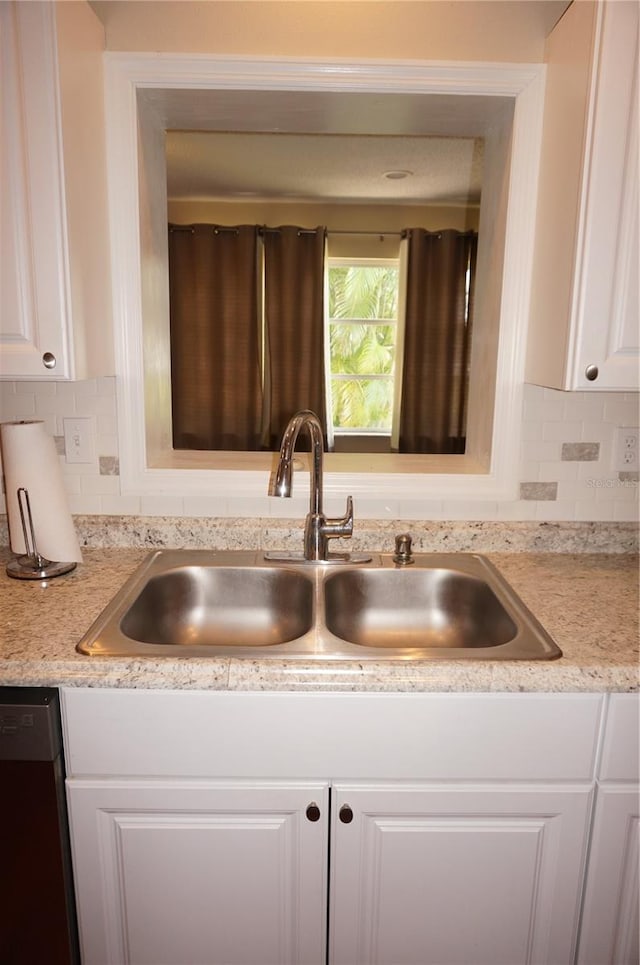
(627, 445)
(79, 440)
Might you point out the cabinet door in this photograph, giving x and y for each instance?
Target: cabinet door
(456, 874)
(584, 324)
(200, 873)
(610, 922)
(608, 329)
(34, 309)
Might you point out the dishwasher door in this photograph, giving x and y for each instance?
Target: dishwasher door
(37, 909)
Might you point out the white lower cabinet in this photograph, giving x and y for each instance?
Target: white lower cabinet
(192, 872)
(188, 873)
(432, 876)
(610, 918)
(342, 829)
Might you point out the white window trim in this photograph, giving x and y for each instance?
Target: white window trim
(415, 478)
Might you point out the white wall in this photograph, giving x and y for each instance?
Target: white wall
(488, 30)
(555, 488)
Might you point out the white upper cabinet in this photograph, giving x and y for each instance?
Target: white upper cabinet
(55, 296)
(584, 327)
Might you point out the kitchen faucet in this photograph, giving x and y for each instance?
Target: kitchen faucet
(318, 529)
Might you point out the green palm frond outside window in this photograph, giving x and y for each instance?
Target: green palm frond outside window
(363, 308)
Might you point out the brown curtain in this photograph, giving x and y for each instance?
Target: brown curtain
(294, 306)
(436, 341)
(215, 345)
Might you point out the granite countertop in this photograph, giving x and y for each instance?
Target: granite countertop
(587, 602)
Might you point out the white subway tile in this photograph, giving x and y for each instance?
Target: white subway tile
(42, 389)
(470, 509)
(529, 471)
(106, 385)
(531, 431)
(366, 507)
(293, 507)
(100, 485)
(553, 395)
(257, 506)
(537, 410)
(562, 431)
(594, 432)
(24, 408)
(591, 510)
(555, 471)
(154, 504)
(54, 405)
(7, 390)
(546, 451)
(96, 405)
(619, 412)
(517, 509)
(595, 470)
(205, 506)
(559, 509)
(78, 468)
(72, 485)
(421, 509)
(570, 489)
(107, 445)
(618, 489)
(625, 512)
(85, 387)
(66, 391)
(120, 505)
(49, 424)
(106, 425)
(85, 505)
(576, 409)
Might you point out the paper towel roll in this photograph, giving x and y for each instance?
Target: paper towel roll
(30, 460)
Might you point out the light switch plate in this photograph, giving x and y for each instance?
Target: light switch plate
(80, 440)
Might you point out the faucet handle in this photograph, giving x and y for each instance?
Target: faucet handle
(340, 527)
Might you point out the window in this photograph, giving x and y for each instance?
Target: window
(361, 339)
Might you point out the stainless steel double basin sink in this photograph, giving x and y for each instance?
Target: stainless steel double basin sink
(198, 603)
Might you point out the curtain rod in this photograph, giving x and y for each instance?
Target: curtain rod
(346, 231)
(263, 228)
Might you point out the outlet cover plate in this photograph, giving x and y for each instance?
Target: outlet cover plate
(626, 449)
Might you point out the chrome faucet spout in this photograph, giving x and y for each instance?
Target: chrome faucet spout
(283, 480)
(318, 529)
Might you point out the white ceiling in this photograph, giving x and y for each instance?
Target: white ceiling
(329, 168)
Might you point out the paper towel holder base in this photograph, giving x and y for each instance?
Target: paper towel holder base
(37, 568)
(31, 565)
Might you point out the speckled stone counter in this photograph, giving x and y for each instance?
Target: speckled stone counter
(587, 602)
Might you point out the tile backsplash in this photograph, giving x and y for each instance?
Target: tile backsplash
(566, 460)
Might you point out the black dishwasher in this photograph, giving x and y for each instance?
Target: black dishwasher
(37, 910)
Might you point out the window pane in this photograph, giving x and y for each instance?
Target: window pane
(362, 404)
(357, 291)
(362, 349)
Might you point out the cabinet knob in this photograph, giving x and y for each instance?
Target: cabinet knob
(49, 360)
(345, 814)
(591, 372)
(313, 812)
